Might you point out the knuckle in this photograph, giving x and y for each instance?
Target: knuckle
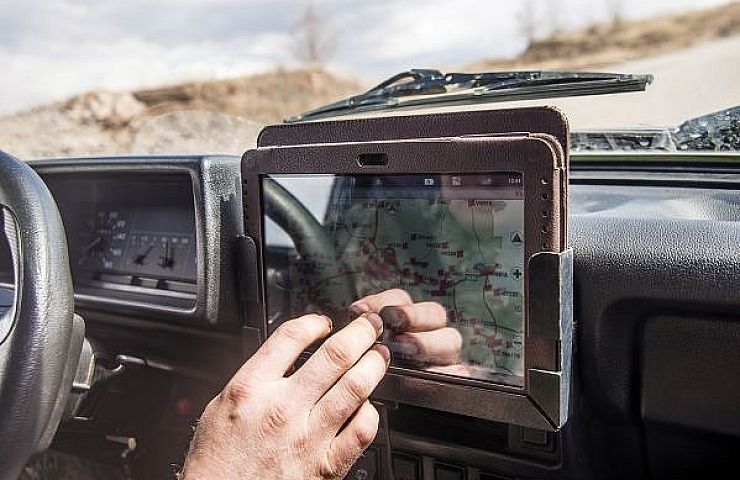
(338, 354)
(293, 330)
(276, 418)
(236, 392)
(329, 470)
(357, 388)
(366, 430)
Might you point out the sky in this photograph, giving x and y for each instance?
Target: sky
(51, 49)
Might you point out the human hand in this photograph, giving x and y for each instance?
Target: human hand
(417, 333)
(313, 424)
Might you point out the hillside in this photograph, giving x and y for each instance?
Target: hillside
(266, 97)
(612, 44)
(209, 116)
(226, 115)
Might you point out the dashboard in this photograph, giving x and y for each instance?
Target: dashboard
(129, 235)
(150, 238)
(154, 252)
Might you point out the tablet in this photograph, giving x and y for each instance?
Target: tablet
(451, 222)
(545, 121)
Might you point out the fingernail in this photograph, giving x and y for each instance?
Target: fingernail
(384, 352)
(358, 309)
(395, 318)
(375, 319)
(405, 347)
(329, 321)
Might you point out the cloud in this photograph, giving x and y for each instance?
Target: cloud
(50, 49)
(58, 48)
(59, 71)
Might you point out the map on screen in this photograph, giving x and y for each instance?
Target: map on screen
(457, 240)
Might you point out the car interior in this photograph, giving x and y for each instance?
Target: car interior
(523, 244)
(147, 252)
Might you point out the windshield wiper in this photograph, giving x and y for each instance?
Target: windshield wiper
(425, 87)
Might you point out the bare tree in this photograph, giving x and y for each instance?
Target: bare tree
(615, 8)
(527, 20)
(314, 42)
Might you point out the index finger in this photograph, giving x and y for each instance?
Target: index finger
(375, 303)
(337, 355)
(281, 349)
(419, 317)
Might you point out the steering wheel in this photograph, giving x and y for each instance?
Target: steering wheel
(40, 338)
(308, 235)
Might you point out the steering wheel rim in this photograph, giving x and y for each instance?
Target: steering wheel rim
(40, 337)
(307, 233)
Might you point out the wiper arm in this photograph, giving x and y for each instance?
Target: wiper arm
(423, 82)
(509, 80)
(426, 87)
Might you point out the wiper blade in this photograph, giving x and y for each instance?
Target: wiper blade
(508, 80)
(383, 95)
(424, 87)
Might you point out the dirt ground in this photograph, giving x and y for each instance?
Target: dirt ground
(225, 116)
(221, 116)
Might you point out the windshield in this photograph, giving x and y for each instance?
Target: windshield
(102, 78)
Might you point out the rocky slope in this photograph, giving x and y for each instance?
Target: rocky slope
(612, 44)
(213, 116)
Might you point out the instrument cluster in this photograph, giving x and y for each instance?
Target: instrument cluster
(130, 231)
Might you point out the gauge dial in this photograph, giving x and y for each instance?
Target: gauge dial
(156, 252)
(106, 241)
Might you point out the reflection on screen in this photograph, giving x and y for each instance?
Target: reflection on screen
(454, 240)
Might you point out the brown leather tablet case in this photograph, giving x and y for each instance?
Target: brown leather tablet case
(546, 120)
(533, 141)
(533, 156)
(546, 123)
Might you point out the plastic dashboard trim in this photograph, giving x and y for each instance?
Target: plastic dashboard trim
(216, 185)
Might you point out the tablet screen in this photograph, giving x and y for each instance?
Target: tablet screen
(453, 243)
